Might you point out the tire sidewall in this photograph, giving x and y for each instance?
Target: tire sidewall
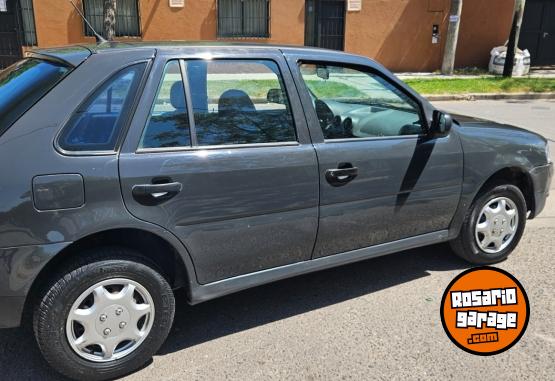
(82, 279)
(511, 192)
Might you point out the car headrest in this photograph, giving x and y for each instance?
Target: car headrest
(233, 101)
(177, 96)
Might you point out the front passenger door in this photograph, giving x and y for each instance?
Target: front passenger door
(382, 178)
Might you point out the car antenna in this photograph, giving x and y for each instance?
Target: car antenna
(99, 38)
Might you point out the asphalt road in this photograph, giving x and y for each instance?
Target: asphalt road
(377, 319)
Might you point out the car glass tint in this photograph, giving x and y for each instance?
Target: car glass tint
(351, 103)
(168, 125)
(239, 102)
(96, 124)
(23, 84)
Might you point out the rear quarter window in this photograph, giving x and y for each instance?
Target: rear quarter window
(96, 125)
(23, 84)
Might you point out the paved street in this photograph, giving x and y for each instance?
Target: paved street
(378, 319)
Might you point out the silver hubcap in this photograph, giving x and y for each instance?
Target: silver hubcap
(110, 320)
(497, 225)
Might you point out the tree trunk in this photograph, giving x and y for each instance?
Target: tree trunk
(109, 30)
(512, 46)
(448, 64)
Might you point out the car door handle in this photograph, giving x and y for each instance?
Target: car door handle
(154, 194)
(341, 176)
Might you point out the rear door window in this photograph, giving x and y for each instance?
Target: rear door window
(97, 123)
(168, 125)
(23, 84)
(239, 102)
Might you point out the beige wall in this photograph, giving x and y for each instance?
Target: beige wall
(395, 32)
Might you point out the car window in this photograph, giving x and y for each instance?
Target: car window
(168, 125)
(239, 102)
(351, 103)
(23, 84)
(96, 124)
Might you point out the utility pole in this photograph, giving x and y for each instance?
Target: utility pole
(452, 37)
(512, 46)
(109, 30)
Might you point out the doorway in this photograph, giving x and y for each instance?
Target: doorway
(538, 32)
(325, 24)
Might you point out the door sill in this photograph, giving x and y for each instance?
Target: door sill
(201, 293)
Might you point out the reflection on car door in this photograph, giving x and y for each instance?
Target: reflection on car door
(381, 178)
(232, 173)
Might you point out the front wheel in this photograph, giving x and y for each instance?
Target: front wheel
(104, 318)
(493, 226)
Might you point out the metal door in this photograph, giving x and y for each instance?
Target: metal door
(538, 31)
(325, 24)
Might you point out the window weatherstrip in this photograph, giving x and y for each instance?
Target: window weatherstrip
(189, 103)
(217, 147)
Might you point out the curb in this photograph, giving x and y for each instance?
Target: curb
(485, 96)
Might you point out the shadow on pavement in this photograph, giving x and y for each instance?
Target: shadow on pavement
(21, 360)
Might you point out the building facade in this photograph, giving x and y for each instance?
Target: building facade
(404, 35)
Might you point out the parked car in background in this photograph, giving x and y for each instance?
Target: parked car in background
(132, 170)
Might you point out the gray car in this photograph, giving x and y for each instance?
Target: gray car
(132, 170)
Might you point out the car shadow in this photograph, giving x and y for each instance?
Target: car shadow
(20, 358)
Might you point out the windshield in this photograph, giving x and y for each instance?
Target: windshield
(23, 84)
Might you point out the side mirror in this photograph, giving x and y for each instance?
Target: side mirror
(441, 123)
(275, 96)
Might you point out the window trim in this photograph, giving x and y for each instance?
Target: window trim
(125, 123)
(267, 35)
(365, 69)
(190, 111)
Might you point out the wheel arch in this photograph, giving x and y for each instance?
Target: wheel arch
(159, 251)
(513, 175)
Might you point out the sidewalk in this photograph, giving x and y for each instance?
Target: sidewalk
(543, 72)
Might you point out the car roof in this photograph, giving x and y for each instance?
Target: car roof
(76, 54)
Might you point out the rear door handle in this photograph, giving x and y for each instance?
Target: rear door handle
(341, 176)
(154, 194)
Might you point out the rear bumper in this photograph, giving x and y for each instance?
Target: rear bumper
(541, 178)
(19, 267)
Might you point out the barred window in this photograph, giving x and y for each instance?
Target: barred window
(244, 18)
(127, 17)
(28, 21)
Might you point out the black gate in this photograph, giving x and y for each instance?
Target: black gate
(325, 24)
(538, 31)
(10, 43)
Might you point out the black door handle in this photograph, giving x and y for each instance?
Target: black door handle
(154, 194)
(342, 175)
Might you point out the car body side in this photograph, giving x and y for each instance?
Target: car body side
(31, 240)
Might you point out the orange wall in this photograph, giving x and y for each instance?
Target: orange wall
(397, 33)
(484, 25)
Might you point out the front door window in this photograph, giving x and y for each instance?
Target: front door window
(354, 104)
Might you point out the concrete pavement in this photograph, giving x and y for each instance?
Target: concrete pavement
(378, 319)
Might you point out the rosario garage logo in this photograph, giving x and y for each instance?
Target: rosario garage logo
(485, 311)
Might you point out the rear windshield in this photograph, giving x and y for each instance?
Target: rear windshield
(23, 84)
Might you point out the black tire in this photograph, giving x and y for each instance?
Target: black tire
(465, 245)
(63, 289)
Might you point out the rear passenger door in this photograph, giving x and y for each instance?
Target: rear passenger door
(219, 154)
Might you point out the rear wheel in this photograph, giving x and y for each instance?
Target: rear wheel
(493, 226)
(104, 318)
